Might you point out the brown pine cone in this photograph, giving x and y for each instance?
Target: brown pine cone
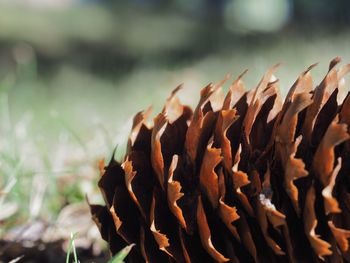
(242, 178)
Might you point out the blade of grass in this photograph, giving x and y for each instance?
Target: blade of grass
(119, 257)
(72, 247)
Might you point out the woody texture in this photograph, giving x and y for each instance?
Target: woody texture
(243, 177)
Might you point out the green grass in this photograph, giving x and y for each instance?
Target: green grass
(118, 258)
(121, 255)
(71, 249)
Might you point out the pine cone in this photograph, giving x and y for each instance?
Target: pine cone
(242, 178)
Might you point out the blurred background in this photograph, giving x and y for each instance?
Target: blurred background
(73, 73)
